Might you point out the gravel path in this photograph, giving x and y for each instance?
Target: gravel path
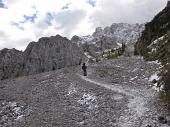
(116, 93)
(136, 106)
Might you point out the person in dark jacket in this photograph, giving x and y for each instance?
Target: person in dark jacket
(84, 68)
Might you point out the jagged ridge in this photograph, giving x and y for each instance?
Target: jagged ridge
(153, 30)
(49, 53)
(110, 38)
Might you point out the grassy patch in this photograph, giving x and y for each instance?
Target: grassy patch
(165, 97)
(168, 34)
(114, 53)
(168, 95)
(110, 54)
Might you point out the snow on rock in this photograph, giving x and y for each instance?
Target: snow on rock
(110, 37)
(118, 97)
(153, 50)
(134, 70)
(133, 78)
(11, 112)
(120, 45)
(72, 89)
(156, 86)
(87, 55)
(155, 62)
(88, 99)
(154, 77)
(156, 41)
(87, 38)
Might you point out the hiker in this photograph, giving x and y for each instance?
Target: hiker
(84, 68)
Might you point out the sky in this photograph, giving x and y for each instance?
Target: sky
(23, 21)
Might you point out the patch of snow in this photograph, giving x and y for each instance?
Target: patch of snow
(107, 50)
(12, 104)
(155, 87)
(153, 50)
(88, 99)
(93, 42)
(120, 45)
(161, 87)
(158, 88)
(156, 41)
(19, 117)
(154, 77)
(87, 38)
(72, 89)
(133, 78)
(138, 57)
(135, 69)
(155, 62)
(46, 76)
(87, 55)
(118, 97)
(17, 110)
(11, 111)
(82, 122)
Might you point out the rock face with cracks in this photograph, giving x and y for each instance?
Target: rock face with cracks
(49, 53)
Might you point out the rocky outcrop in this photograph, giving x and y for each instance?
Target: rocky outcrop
(49, 53)
(154, 44)
(110, 38)
(168, 4)
(11, 62)
(155, 29)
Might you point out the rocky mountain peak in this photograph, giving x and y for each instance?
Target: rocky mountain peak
(98, 32)
(108, 38)
(75, 38)
(49, 53)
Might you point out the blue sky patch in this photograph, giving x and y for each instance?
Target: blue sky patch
(30, 18)
(92, 2)
(2, 5)
(16, 25)
(48, 19)
(26, 19)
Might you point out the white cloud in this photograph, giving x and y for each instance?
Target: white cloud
(78, 17)
(130, 11)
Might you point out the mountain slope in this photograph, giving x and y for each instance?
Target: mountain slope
(49, 53)
(110, 38)
(154, 44)
(153, 30)
(105, 98)
(10, 63)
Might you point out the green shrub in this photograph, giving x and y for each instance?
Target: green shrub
(168, 33)
(165, 97)
(110, 55)
(168, 94)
